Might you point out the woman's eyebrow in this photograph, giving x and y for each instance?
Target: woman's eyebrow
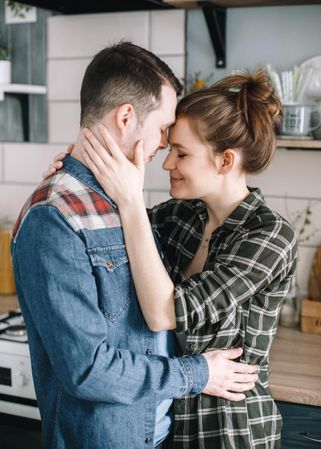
(178, 145)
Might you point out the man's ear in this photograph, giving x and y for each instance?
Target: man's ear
(126, 118)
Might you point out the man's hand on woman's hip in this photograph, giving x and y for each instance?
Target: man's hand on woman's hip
(228, 379)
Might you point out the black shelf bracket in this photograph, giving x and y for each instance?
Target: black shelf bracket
(215, 17)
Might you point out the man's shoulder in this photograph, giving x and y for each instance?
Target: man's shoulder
(78, 204)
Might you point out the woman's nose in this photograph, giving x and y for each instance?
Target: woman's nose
(169, 162)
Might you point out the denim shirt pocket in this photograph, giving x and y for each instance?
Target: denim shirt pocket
(113, 278)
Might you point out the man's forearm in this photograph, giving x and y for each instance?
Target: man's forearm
(154, 287)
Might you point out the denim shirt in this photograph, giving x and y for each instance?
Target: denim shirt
(96, 374)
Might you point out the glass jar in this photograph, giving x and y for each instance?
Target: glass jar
(290, 308)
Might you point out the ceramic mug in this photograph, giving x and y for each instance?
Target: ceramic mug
(296, 120)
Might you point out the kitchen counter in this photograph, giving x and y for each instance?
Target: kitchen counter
(295, 362)
(8, 303)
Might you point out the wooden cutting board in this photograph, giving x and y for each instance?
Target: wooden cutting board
(315, 277)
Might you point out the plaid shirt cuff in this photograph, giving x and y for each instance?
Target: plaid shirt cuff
(197, 372)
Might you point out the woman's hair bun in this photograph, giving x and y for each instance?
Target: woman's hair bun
(252, 89)
(259, 89)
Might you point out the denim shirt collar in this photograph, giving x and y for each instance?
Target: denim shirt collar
(83, 174)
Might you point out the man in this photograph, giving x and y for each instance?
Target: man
(102, 379)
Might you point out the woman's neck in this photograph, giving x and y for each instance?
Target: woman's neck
(220, 206)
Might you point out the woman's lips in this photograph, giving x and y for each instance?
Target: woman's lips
(175, 180)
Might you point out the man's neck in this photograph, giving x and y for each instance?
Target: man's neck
(76, 152)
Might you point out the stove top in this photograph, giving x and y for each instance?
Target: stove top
(12, 327)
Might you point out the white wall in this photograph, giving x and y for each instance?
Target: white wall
(21, 166)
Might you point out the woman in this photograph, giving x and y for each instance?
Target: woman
(230, 258)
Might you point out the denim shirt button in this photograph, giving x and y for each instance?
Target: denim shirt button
(109, 264)
(148, 440)
(148, 351)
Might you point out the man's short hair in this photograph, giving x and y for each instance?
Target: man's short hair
(120, 74)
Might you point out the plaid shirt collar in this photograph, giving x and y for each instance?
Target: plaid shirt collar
(83, 174)
(239, 216)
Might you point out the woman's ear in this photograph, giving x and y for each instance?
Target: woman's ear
(228, 160)
(126, 118)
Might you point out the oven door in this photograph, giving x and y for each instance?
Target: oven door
(17, 394)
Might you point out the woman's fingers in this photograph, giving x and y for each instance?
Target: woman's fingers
(110, 142)
(92, 158)
(95, 147)
(53, 167)
(46, 174)
(70, 148)
(60, 157)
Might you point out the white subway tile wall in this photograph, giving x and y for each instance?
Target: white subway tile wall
(65, 77)
(167, 32)
(63, 121)
(83, 35)
(23, 165)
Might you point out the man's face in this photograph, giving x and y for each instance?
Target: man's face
(153, 130)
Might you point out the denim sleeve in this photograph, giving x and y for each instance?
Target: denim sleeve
(55, 283)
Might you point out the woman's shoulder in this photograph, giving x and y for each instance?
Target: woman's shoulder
(272, 223)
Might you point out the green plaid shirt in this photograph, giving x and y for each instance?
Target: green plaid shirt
(235, 301)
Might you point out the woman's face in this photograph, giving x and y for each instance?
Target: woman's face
(191, 164)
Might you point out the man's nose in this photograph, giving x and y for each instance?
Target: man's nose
(164, 140)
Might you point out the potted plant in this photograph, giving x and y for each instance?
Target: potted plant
(5, 64)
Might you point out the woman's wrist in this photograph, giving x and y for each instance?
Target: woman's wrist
(132, 202)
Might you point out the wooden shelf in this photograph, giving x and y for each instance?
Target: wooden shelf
(291, 143)
(189, 4)
(21, 89)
